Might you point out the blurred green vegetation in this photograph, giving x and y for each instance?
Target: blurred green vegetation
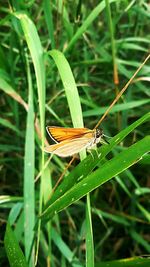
(62, 63)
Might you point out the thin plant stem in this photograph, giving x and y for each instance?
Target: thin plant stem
(121, 92)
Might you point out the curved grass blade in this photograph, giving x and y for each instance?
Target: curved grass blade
(36, 51)
(69, 86)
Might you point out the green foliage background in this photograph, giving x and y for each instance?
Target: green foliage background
(63, 63)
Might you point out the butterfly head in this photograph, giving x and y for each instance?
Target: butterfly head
(99, 133)
(100, 137)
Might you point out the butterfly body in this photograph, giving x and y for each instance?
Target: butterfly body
(70, 141)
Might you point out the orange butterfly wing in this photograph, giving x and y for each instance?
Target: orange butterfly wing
(59, 134)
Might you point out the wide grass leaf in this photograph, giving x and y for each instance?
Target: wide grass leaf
(14, 252)
(69, 86)
(37, 55)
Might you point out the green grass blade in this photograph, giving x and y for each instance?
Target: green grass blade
(36, 52)
(128, 262)
(68, 254)
(77, 119)
(93, 15)
(113, 44)
(116, 108)
(114, 218)
(47, 189)
(145, 212)
(14, 252)
(8, 89)
(69, 86)
(89, 235)
(107, 171)
(49, 21)
(29, 167)
(14, 213)
(139, 239)
(9, 125)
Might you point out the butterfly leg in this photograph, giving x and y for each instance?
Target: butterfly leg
(92, 147)
(90, 151)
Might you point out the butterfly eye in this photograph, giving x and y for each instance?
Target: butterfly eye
(99, 133)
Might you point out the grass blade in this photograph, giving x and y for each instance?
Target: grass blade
(9, 125)
(76, 116)
(128, 262)
(69, 86)
(93, 15)
(7, 88)
(68, 254)
(89, 235)
(116, 108)
(36, 52)
(139, 239)
(29, 167)
(14, 252)
(49, 21)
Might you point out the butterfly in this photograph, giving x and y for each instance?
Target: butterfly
(70, 141)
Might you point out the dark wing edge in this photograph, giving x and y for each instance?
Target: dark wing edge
(74, 133)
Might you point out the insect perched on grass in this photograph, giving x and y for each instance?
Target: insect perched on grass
(72, 140)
